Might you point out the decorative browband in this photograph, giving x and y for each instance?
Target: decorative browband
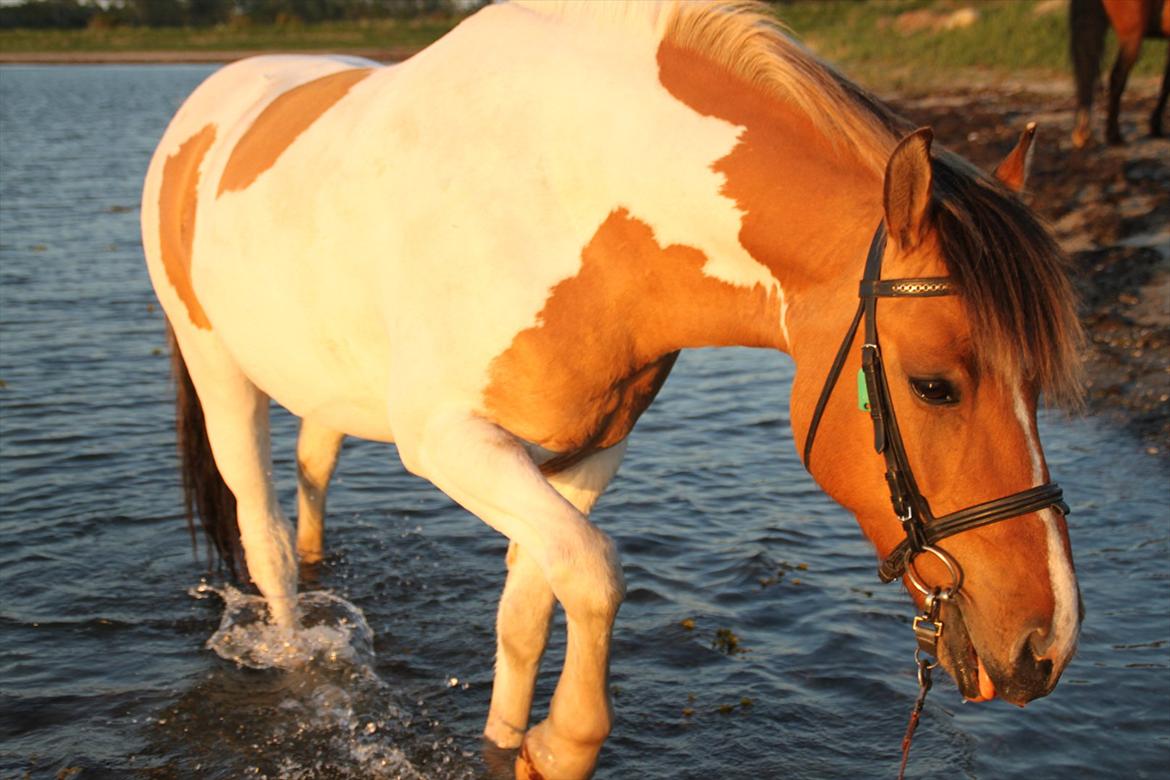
(924, 287)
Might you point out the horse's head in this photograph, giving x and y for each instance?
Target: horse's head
(962, 374)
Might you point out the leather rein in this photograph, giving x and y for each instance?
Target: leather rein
(923, 530)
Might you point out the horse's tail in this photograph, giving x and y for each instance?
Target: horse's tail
(1087, 23)
(205, 494)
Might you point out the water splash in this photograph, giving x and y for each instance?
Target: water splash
(326, 714)
(332, 634)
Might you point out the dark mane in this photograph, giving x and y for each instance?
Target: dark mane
(1013, 280)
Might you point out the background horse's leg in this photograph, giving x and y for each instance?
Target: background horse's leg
(526, 606)
(1126, 57)
(317, 451)
(487, 471)
(1087, 25)
(1160, 107)
(236, 414)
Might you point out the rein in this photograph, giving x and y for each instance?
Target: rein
(923, 530)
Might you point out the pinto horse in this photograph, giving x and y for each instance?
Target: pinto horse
(1133, 20)
(491, 254)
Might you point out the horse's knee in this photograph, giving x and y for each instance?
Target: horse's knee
(587, 578)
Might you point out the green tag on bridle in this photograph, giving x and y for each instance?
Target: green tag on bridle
(862, 391)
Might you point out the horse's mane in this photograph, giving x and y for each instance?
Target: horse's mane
(1011, 274)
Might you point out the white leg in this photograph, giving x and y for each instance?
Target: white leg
(526, 606)
(489, 473)
(522, 623)
(317, 451)
(236, 413)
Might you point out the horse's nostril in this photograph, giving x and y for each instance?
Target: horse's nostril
(1032, 661)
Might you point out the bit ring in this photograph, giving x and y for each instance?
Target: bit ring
(953, 568)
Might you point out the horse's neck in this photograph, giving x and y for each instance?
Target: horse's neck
(690, 208)
(782, 216)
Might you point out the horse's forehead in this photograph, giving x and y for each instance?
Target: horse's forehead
(178, 198)
(280, 123)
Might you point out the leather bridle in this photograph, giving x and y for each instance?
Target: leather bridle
(923, 530)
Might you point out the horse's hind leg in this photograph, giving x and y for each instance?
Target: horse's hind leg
(236, 415)
(1160, 107)
(1126, 57)
(317, 451)
(487, 471)
(526, 606)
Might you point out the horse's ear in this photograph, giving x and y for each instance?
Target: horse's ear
(1013, 171)
(907, 189)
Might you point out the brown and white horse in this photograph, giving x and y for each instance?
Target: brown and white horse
(491, 255)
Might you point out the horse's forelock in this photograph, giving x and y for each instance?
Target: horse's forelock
(1014, 282)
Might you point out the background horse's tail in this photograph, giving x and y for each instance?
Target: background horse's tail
(1087, 25)
(204, 492)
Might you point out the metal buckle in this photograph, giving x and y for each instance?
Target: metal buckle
(928, 627)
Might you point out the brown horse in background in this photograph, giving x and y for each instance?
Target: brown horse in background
(1133, 20)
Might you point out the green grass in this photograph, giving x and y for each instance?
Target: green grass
(1011, 39)
(1018, 39)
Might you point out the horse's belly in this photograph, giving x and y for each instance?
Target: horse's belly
(321, 353)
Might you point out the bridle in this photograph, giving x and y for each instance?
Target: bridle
(923, 530)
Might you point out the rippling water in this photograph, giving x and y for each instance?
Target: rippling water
(103, 621)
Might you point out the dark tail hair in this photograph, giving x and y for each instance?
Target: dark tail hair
(205, 494)
(1087, 23)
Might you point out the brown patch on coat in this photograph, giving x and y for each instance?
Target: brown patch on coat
(177, 199)
(281, 123)
(799, 191)
(607, 338)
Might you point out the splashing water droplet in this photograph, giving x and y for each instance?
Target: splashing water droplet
(332, 634)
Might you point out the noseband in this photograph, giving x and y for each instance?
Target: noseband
(923, 530)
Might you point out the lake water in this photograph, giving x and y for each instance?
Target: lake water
(103, 669)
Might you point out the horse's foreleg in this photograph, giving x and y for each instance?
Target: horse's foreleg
(522, 623)
(1126, 57)
(317, 451)
(526, 606)
(236, 415)
(1160, 107)
(488, 472)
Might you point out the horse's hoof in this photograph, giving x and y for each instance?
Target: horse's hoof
(525, 766)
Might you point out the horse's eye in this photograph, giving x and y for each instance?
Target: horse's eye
(935, 391)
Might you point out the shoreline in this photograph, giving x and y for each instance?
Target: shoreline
(386, 54)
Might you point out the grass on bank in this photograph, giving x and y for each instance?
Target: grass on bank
(885, 44)
(903, 44)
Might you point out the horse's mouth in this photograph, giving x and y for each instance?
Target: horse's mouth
(959, 657)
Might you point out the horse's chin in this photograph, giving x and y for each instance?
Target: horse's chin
(962, 661)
